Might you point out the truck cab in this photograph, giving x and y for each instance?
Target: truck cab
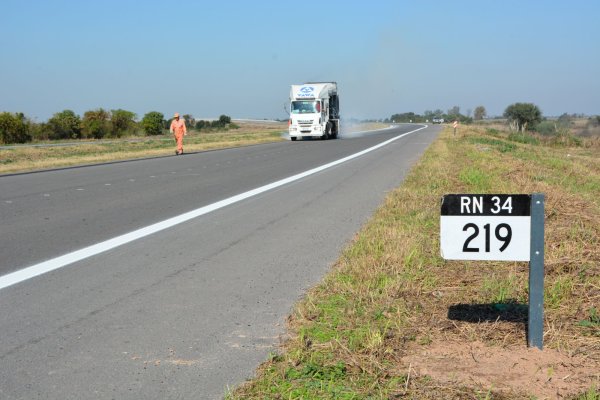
(314, 111)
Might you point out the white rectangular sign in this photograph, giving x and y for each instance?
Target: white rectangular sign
(485, 227)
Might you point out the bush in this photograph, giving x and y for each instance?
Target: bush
(217, 124)
(122, 122)
(63, 125)
(523, 138)
(201, 124)
(95, 124)
(546, 128)
(567, 140)
(13, 128)
(153, 123)
(493, 131)
(224, 122)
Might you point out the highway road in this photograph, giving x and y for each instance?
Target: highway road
(171, 277)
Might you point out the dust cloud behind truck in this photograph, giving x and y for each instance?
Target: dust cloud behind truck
(314, 111)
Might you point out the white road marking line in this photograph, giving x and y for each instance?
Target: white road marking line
(78, 255)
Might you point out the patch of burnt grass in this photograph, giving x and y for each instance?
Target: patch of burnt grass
(390, 291)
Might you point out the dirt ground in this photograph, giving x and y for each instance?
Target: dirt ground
(546, 374)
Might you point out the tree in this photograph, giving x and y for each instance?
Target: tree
(189, 121)
(565, 119)
(95, 124)
(454, 111)
(523, 115)
(122, 122)
(153, 122)
(13, 128)
(224, 119)
(64, 125)
(454, 115)
(480, 113)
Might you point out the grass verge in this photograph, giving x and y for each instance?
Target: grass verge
(394, 320)
(28, 158)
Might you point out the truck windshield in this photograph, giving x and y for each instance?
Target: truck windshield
(305, 107)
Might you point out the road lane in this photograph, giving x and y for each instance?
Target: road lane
(88, 205)
(98, 248)
(185, 312)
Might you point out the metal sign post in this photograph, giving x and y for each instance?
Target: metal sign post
(535, 323)
(499, 227)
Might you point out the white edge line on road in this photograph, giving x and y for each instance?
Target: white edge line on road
(78, 255)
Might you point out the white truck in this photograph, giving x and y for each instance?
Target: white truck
(314, 111)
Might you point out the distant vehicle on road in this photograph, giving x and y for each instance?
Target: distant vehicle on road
(438, 120)
(314, 110)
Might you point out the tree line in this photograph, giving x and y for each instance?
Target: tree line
(452, 114)
(520, 117)
(95, 124)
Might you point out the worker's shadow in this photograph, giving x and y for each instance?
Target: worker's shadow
(492, 312)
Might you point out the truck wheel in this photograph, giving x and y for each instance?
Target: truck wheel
(293, 138)
(327, 133)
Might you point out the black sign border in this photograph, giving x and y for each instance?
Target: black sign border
(521, 205)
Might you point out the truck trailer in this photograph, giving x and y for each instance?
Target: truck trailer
(314, 111)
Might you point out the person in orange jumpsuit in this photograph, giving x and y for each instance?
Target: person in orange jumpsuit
(179, 131)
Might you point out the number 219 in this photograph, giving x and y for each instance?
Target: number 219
(498, 232)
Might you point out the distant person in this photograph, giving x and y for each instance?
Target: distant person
(179, 131)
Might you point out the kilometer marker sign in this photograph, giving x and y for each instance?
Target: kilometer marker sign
(499, 227)
(486, 227)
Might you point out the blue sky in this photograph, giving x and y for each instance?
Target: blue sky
(238, 58)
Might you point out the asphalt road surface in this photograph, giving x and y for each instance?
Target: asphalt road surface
(194, 292)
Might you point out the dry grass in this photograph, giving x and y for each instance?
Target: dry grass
(390, 294)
